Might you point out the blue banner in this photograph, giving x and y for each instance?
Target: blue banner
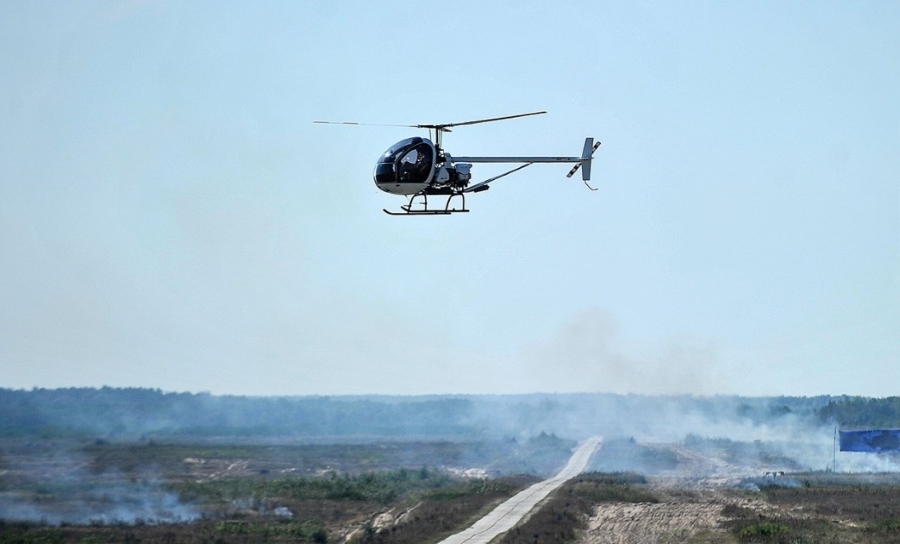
(875, 441)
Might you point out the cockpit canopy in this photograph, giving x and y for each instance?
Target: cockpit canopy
(407, 167)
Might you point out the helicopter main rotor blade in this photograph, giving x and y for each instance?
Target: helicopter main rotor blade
(362, 124)
(444, 127)
(464, 123)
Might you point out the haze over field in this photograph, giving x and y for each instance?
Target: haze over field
(123, 455)
(171, 217)
(793, 433)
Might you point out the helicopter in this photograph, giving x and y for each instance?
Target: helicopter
(419, 167)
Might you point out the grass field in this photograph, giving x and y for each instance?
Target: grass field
(408, 492)
(65, 491)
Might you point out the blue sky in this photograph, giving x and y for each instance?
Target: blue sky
(171, 217)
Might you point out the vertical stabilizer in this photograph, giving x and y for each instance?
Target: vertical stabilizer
(586, 156)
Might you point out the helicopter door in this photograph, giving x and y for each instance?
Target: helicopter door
(415, 165)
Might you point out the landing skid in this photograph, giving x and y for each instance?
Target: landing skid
(408, 209)
(423, 212)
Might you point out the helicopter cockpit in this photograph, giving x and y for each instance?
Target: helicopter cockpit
(407, 167)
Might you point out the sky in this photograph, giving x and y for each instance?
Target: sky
(171, 217)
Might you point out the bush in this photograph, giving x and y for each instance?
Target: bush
(764, 530)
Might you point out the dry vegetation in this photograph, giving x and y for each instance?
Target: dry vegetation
(101, 492)
(365, 494)
(406, 493)
(822, 512)
(412, 518)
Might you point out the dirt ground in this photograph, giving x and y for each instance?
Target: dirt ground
(680, 516)
(690, 508)
(707, 498)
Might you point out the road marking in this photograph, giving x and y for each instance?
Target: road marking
(511, 512)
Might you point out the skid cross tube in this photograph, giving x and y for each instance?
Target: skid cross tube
(409, 210)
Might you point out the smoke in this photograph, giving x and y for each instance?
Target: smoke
(685, 436)
(56, 485)
(587, 353)
(652, 402)
(866, 462)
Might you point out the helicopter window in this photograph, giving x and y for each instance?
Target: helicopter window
(398, 148)
(412, 157)
(415, 165)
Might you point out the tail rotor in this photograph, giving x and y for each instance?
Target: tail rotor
(585, 164)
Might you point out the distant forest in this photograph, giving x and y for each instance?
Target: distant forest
(863, 412)
(131, 412)
(135, 413)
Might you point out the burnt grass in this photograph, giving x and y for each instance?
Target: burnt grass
(435, 507)
(440, 514)
(823, 512)
(379, 493)
(432, 515)
(221, 493)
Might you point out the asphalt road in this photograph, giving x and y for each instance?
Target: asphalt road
(508, 514)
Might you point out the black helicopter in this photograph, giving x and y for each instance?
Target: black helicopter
(418, 168)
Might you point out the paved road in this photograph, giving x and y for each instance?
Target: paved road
(508, 514)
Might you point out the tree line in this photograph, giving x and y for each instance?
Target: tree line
(141, 412)
(128, 412)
